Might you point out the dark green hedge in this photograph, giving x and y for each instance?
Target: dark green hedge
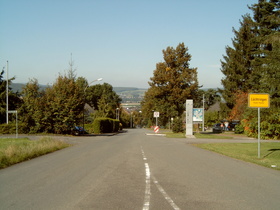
(89, 128)
(11, 128)
(106, 125)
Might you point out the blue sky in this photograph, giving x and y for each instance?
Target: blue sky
(118, 40)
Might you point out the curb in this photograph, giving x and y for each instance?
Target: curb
(155, 134)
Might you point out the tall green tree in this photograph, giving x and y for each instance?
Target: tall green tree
(237, 64)
(65, 103)
(54, 110)
(173, 82)
(211, 96)
(14, 98)
(33, 104)
(270, 80)
(252, 65)
(267, 21)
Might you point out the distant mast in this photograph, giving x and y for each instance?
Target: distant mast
(7, 94)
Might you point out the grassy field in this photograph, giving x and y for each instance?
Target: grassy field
(14, 150)
(270, 152)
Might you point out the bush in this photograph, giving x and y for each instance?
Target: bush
(270, 123)
(177, 126)
(11, 128)
(116, 125)
(239, 129)
(89, 128)
(105, 125)
(210, 118)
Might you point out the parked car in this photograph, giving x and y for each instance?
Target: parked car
(78, 130)
(217, 128)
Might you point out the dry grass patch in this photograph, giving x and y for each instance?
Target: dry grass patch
(14, 151)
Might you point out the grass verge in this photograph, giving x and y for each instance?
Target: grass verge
(198, 135)
(14, 150)
(270, 152)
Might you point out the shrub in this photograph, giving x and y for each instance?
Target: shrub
(270, 121)
(116, 125)
(89, 128)
(239, 129)
(105, 125)
(11, 128)
(210, 118)
(177, 125)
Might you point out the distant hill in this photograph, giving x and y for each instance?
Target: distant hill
(128, 94)
(17, 87)
(122, 89)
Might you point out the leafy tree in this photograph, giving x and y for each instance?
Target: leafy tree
(103, 99)
(82, 84)
(173, 82)
(14, 99)
(138, 118)
(31, 110)
(241, 104)
(65, 102)
(54, 110)
(211, 117)
(104, 108)
(211, 96)
(125, 118)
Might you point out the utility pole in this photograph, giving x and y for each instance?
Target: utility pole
(203, 114)
(7, 94)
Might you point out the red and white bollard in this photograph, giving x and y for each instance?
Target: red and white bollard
(156, 129)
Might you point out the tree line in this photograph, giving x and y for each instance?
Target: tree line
(59, 107)
(252, 65)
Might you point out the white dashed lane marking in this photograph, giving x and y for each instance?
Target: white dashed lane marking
(147, 197)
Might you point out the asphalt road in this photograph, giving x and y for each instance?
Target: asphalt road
(136, 171)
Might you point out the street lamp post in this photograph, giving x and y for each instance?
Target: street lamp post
(140, 115)
(118, 114)
(85, 101)
(130, 119)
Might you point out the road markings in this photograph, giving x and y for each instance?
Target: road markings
(147, 197)
(165, 195)
(148, 187)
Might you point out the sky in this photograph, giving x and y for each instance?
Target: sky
(120, 41)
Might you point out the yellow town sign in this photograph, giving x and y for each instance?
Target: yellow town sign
(258, 100)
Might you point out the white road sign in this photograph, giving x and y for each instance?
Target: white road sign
(156, 114)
